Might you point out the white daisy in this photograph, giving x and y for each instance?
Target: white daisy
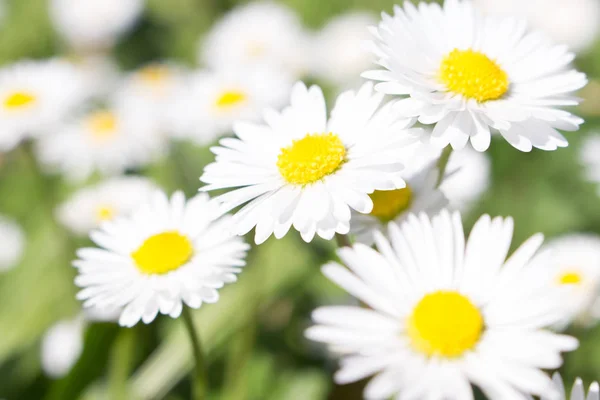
(167, 253)
(575, 265)
(94, 24)
(91, 206)
(338, 55)
(578, 391)
(469, 178)
(109, 140)
(468, 74)
(575, 23)
(420, 195)
(61, 347)
(258, 33)
(211, 102)
(34, 97)
(12, 243)
(304, 170)
(445, 313)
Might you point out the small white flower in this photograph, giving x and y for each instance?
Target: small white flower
(93, 24)
(167, 253)
(420, 195)
(257, 34)
(35, 97)
(91, 206)
(469, 74)
(107, 140)
(575, 23)
(338, 54)
(62, 345)
(444, 313)
(303, 169)
(12, 244)
(211, 102)
(577, 393)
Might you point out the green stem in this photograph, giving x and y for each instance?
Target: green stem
(342, 240)
(121, 363)
(240, 353)
(442, 164)
(199, 381)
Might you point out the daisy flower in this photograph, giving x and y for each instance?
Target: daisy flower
(304, 170)
(91, 206)
(211, 102)
(258, 33)
(469, 74)
(575, 264)
(338, 55)
(108, 140)
(577, 393)
(420, 194)
(445, 313)
(61, 347)
(94, 24)
(12, 243)
(34, 97)
(167, 253)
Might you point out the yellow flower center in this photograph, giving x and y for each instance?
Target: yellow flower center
(162, 253)
(473, 75)
(388, 204)
(102, 125)
(18, 100)
(154, 74)
(311, 158)
(105, 213)
(445, 323)
(230, 98)
(570, 278)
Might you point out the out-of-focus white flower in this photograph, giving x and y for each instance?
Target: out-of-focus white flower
(589, 156)
(211, 102)
(166, 254)
(339, 55)
(469, 177)
(471, 75)
(91, 206)
(107, 140)
(257, 34)
(62, 345)
(100, 74)
(575, 265)
(575, 23)
(443, 313)
(98, 314)
(93, 24)
(12, 243)
(35, 97)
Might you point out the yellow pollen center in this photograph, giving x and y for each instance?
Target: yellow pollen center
(162, 253)
(105, 213)
(570, 278)
(388, 204)
(445, 323)
(311, 158)
(230, 98)
(473, 75)
(154, 74)
(17, 100)
(102, 125)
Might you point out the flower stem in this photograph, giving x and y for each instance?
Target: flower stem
(199, 381)
(442, 164)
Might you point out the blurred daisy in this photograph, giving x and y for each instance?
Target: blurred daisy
(94, 24)
(211, 102)
(589, 156)
(338, 56)
(575, 264)
(469, 178)
(575, 23)
(444, 314)
(420, 195)
(12, 244)
(100, 74)
(91, 206)
(62, 345)
(468, 74)
(257, 34)
(167, 253)
(109, 140)
(34, 97)
(304, 170)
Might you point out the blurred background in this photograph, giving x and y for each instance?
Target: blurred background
(154, 67)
